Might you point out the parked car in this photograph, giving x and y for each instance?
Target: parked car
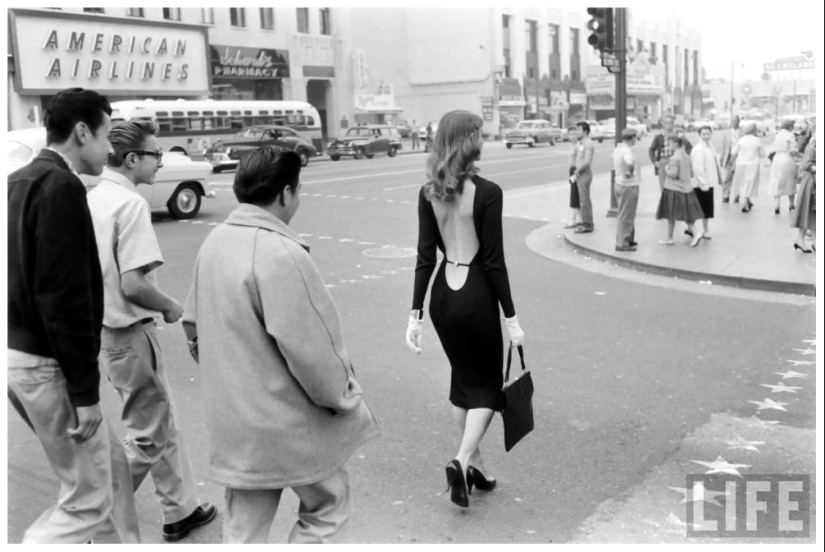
(532, 132)
(404, 129)
(596, 131)
(366, 141)
(179, 186)
(641, 128)
(608, 128)
(225, 154)
(699, 123)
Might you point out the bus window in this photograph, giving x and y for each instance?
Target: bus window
(208, 119)
(235, 120)
(195, 121)
(260, 120)
(277, 112)
(310, 121)
(178, 121)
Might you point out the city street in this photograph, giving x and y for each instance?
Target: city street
(635, 383)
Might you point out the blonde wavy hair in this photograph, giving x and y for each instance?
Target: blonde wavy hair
(456, 148)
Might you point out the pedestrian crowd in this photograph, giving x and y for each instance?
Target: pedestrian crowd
(283, 405)
(689, 174)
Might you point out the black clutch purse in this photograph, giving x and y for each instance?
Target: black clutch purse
(518, 408)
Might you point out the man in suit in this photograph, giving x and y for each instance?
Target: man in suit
(660, 151)
(728, 160)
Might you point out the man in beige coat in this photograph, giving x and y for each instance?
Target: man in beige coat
(283, 406)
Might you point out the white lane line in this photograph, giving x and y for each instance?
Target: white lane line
(360, 177)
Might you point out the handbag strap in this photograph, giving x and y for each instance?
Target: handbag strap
(510, 360)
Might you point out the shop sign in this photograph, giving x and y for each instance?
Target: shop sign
(487, 108)
(54, 51)
(558, 99)
(238, 62)
(578, 98)
(599, 81)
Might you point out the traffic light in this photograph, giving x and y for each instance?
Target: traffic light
(601, 28)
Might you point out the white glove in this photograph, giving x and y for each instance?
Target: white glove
(414, 332)
(515, 331)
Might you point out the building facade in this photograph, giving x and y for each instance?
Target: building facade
(664, 58)
(190, 53)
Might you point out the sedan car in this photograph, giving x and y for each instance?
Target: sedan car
(532, 132)
(404, 129)
(225, 154)
(179, 186)
(640, 127)
(366, 141)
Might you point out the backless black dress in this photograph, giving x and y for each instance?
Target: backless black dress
(467, 320)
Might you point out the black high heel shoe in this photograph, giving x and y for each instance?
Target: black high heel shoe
(457, 484)
(475, 477)
(797, 246)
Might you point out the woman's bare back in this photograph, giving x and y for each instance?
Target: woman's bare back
(455, 223)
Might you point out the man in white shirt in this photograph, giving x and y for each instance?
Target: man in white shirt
(627, 191)
(130, 351)
(728, 159)
(706, 176)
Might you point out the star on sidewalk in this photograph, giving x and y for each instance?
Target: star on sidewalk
(791, 374)
(768, 403)
(781, 388)
(744, 444)
(801, 362)
(699, 493)
(807, 351)
(721, 466)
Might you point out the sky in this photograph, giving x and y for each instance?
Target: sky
(749, 33)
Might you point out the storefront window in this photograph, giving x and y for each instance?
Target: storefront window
(303, 20)
(208, 16)
(268, 19)
(237, 17)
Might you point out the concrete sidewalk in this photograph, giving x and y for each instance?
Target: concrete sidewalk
(748, 250)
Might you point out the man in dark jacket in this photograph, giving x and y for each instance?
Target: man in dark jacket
(660, 152)
(55, 314)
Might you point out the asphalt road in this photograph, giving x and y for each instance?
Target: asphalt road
(624, 372)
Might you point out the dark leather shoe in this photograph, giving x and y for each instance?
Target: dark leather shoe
(632, 243)
(477, 479)
(689, 232)
(625, 248)
(173, 532)
(457, 484)
(582, 230)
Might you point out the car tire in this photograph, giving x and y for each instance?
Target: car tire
(552, 141)
(531, 144)
(601, 140)
(304, 155)
(359, 153)
(509, 146)
(180, 150)
(185, 202)
(335, 157)
(392, 152)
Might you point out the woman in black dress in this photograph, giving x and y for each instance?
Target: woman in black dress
(460, 214)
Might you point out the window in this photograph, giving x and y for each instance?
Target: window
(687, 68)
(172, 14)
(664, 61)
(696, 68)
(237, 17)
(93, 10)
(640, 46)
(530, 38)
(303, 20)
(268, 19)
(507, 62)
(653, 57)
(574, 42)
(554, 38)
(208, 16)
(134, 12)
(326, 21)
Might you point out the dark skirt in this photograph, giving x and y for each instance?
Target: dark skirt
(468, 325)
(705, 201)
(679, 206)
(574, 196)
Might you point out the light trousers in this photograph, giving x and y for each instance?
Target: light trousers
(133, 360)
(661, 164)
(583, 183)
(628, 199)
(96, 500)
(324, 510)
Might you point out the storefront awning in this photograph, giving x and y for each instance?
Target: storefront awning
(378, 109)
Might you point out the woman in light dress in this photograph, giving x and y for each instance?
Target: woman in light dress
(804, 219)
(783, 169)
(749, 154)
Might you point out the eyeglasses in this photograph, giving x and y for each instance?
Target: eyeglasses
(156, 154)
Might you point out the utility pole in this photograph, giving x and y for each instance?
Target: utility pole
(731, 90)
(620, 51)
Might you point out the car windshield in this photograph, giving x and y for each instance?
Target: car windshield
(524, 125)
(17, 152)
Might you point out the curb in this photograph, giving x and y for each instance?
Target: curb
(325, 157)
(730, 281)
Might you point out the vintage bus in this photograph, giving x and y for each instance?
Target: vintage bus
(191, 126)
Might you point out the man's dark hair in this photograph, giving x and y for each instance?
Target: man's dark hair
(72, 106)
(705, 127)
(127, 136)
(676, 139)
(584, 126)
(263, 174)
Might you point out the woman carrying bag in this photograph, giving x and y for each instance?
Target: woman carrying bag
(460, 214)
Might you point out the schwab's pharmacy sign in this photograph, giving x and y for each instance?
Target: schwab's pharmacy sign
(58, 50)
(235, 62)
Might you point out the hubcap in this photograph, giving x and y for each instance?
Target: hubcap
(187, 200)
